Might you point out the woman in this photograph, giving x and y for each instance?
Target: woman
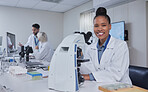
(44, 51)
(109, 57)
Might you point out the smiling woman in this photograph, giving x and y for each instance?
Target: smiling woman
(109, 57)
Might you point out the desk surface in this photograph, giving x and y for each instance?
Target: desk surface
(20, 84)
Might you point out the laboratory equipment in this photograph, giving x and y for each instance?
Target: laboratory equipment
(64, 69)
(16, 70)
(26, 51)
(121, 87)
(5, 65)
(1, 40)
(35, 75)
(5, 89)
(1, 45)
(10, 43)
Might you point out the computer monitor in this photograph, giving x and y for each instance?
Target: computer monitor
(11, 46)
(118, 30)
(1, 40)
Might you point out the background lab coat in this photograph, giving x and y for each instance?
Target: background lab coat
(113, 65)
(31, 42)
(44, 53)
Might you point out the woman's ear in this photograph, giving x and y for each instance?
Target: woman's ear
(110, 26)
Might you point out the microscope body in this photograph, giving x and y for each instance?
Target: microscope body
(26, 51)
(64, 73)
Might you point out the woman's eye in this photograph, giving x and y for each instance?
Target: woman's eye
(103, 25)
(96, 26)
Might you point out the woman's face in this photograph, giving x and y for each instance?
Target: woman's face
(101, 27)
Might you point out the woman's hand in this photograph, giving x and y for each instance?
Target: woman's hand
(86, 76)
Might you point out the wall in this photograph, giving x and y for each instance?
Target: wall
(137, 31)
(72, 18)
(134, 15)
(19, 21)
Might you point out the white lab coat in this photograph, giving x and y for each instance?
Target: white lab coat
(31, 42)
(44, 53)
(113, 65)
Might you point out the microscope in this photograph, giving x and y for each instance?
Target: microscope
(79, 61)
(26, 51)
(64, 72)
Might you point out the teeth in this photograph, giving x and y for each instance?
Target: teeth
(100, 33)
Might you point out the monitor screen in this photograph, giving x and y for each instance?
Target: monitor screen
(0, 40)
(117, 30)
(10, 42)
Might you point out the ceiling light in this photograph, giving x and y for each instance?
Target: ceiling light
(53, 1)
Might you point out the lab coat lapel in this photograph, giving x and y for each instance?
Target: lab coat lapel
(94, 51)
(108, 53)
(106, 56)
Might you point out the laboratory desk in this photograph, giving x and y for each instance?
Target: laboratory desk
(21, 84)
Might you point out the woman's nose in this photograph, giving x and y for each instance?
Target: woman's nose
(99, 28)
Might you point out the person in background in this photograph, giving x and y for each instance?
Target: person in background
(33, 40)
(9, 43)
(44, 52)
(109, 57)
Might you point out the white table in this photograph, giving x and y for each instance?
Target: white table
(21, 84)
